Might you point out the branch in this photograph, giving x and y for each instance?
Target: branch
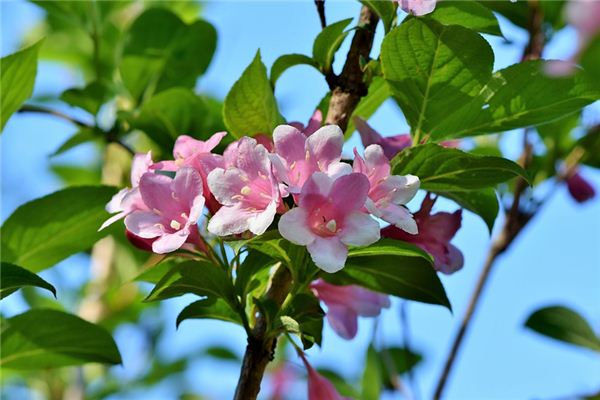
(345, 97)
(321, 11)
(349, 87)
(516, 219)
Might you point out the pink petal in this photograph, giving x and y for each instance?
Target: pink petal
(350, 192)
(293, 226)
(400, 217)
(114, 205)
(139, 166)
(252, 158)
(314, 123)
(229, 221)
(316, 187)
(144, 224)
(579, 188)
(377, 163)
(343, 321)
(169, 242)
(187, 185)
(225, 185)
(112, 220)
(329, 254)
(368, 135)
(261, 221)
(417, 7)
(326, 145)
(359, 229)
(403, 188)
(454, 262)
(367, 303)
(157, 193)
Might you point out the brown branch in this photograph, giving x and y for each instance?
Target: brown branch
(346, 94)
(261, 348)
(321, 11)
(349, 87)
(516, 219)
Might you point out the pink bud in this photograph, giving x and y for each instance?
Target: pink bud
(581, 190)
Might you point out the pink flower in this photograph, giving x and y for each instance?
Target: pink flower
(346, 303)
(314, 123)
(128, 200)
(579, 188)
(319, 388)
(281, 380)
(298, 157)
(391, 145)
(196, 154)
(435, 233)
(417, 7)
(174, 207)
(330, 217)
(247, 190)
(388, 193)
(584, 15)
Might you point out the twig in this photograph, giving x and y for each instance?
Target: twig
(515, 221)
(321, 11)
(349, 87)
(55, 113)
(345, 97)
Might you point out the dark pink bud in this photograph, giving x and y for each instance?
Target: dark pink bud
(581, 190)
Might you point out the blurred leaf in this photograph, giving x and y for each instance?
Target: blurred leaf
(74, 175)
(287, 61)
(18, 76)
(327, 43)
(378, 93)
(198, 277)
(174, 112)
(564, 324)
(482, 202)
(155, 273)
(590, 60)
(341, 384)
(393, 267)
(386, 10)
(519, 96)
(590, 142)
(210, 308)
(453, 65)
(13, 277)
(89, 98)
(518, 11)
(371, 379)
(162, 52)
(254, 262)
(469, 14)
(396, 361)
(250, 106)
(49, 229)
(44, 338)
(446, 169)
(222, 353)
(83, 135)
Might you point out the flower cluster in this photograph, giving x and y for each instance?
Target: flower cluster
(325, 204)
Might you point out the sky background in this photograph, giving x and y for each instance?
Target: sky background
(556, 260)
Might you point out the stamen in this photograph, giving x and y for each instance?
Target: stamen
(174, 196)
(331, 225)
(264, 196)
(245, 190)
(237, 197)
(175, 224)
(293, 165)
(307, 155)
(157, 211)
(184, 215)
(179, 162)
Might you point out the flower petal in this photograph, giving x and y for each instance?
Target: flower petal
(326, 144)
(329, 254)
(403, 188)
(169, 242)
(293, 227)
(289, 143)
(187, 185)
(350, 192)
(229, 221)
(261, 221)
(343, 321)
(400, 217)
(359, 229)
(144, 224)
(224, 185)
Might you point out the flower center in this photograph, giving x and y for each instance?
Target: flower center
(175, 224)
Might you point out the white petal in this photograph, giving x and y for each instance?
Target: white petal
(406, 187)
(337, 169)
(292, 226)
(359, 230)
(260, 222)
(329, 254)
(229, 221)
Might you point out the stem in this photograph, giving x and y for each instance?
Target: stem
(344, 99)
(515, 221)
(55, 113)
(321, 11)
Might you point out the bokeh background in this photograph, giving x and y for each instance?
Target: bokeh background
(555, 261)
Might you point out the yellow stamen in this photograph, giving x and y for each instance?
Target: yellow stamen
(331, 225)
(175, 224)
(245, 190)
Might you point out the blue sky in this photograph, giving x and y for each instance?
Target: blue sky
(555, 261)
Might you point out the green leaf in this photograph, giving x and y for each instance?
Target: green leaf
(469, 14)
(386, 10)
(210, 308)
(250, 107)
(519, 96)
(590, 142)
(327, 43)
(371, 379)
(254, 262)
(590, 60)
(446, 169)
(482, 202)
(221, 353)
(172, 113)
(13, 277)
(47, 230)
(431, 68)
(304, 316)
(393, 267)
(398, 360)
(378, 93)
(198, 277)
(162, 52)
(43, 338)
(287, 61)
(89, 98)
(83, 135)
(18, 76)
(76, 175)
(564, 324)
